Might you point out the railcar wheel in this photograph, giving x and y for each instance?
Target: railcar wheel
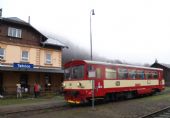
(154, 91)
(129, 95)
(107, 98)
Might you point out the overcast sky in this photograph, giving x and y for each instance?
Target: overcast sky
(136, 31)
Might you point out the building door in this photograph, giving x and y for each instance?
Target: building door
(1, 84)
(47, 82)
(24, 80)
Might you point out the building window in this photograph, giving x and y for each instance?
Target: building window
(14, 32)
(2, 53)
(25, 56)
(110, 73)
(48, 58)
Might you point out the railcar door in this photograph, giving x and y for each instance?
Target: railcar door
(99, 87)
(99, 81)
(97, 75)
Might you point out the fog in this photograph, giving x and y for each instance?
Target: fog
(75, 52)
(130, 31)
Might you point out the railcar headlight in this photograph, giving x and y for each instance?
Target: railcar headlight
(63, 84)
(79, 84)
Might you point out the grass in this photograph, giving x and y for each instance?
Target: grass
(14, 101)
(156, 97)
(167, 89)
(51, 96)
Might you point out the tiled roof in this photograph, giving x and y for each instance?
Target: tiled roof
(15, 20)
(49, 41)
(55, 42)
(20, 22)
(165, 65)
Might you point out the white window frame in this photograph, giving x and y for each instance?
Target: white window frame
(14, 32)
(25, 59)
(3, 56)
(110, 73)
(48, 61)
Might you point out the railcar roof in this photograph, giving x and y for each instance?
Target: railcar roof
(123, 65)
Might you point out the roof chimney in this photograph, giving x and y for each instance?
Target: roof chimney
(0, 12)
(29, 19)
(156, 61)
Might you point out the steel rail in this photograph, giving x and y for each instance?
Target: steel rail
(56, 108)
(163, 113)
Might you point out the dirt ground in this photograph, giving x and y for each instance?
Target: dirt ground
(133, 108)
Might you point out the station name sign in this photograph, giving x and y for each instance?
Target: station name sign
(22, 65)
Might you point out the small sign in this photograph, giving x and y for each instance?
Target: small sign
(117, 83)
(148, 81)
(92, 74)
(21, 65)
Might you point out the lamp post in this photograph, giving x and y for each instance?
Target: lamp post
(91, 13)
(91, 56)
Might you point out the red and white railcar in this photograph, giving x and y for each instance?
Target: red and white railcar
(110, 80)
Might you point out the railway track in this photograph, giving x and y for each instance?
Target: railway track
(28, 112)
(163, 113)
(35, 111)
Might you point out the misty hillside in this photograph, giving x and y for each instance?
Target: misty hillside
(74, 52)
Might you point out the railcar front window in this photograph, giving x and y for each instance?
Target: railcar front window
(75, 72)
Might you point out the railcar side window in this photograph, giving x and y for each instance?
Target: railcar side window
(140, 74)
(155, 75)
(90, 67)
(98, 72)
(132, 74)
(122, 73)
(110, 73)
(148, 75)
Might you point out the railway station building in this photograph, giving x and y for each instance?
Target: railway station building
(166, 71)
(28, 56)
